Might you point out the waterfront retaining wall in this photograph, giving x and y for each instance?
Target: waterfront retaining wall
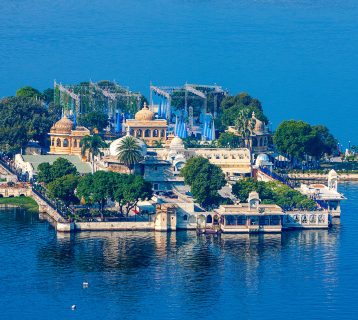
(113, 226)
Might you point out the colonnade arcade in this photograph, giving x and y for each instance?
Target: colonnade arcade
(242, 220)
(64, 142)
(148, 133)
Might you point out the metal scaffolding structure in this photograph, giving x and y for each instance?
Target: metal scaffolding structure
(105, 96)
(196, 91)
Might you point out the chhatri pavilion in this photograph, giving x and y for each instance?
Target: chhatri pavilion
(65, 138)
(145, 127)
(259, 138)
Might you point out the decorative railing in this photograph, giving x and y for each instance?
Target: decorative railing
(277, 177)
(57, 205)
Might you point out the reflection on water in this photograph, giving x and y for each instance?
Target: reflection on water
(307, 274)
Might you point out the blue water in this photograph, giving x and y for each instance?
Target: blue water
(300, 57)
(296, 275)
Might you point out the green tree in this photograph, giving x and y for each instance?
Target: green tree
(129, 152)
(242, 188)
(298, 138)
(48, 95)
(205, 180)
(96, 188)
(129, 189)
(94, 119)
(29, 92)
(273, 193)
(62, 167)
(321, 142)
(231, 107)
(63, 188)
(92, 145)
(54, 111)
(292, 138)
(44, 172)
(22, 119)
(229, 140)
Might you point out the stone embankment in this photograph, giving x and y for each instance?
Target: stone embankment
(60, 223)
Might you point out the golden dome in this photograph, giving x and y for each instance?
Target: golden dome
(64, 125)
(145, 114)
(259, 125)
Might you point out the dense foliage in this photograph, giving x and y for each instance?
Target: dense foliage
(298, 138)
(229, 140)
(60, 168)
(93, 120)
(129, 189)
(274, 193)
(63, 188)
(29, 92)
(102, 186)
(22, 119)
(205, 180)
(232, 105)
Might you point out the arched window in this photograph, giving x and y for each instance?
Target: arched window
(139, 133)
(65, 143)
(185, 218)
(147, 133)
(155, 133)
(58, 142)
(209, 219)
(52, 142)
(254, 142)
(75, 143)
(131, 132)
(162, 133)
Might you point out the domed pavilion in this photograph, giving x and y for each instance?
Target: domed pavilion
(65, 138)
(259, 137)
(146, 128)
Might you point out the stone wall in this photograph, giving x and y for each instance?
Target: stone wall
(15, 191)
(113, 226)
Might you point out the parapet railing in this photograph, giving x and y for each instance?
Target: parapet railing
(60, 207)
(277, 177)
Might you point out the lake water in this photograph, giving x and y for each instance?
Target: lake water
(299, 57)
(296, 275)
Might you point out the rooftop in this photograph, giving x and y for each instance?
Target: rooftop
(244, 208)
(35, 160)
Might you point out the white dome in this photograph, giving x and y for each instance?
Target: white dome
(262, 158)
(176, 143)
(113, 147)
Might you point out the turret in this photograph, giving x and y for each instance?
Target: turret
(333, 180)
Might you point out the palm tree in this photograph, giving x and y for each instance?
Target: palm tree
(92, 145)
(245, 125)
(158, 144)
(129, 152)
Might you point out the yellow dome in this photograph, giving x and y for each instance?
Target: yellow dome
(145, 114)
(259, 125)
(64, 125)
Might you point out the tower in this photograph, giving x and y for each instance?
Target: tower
(333, 180)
